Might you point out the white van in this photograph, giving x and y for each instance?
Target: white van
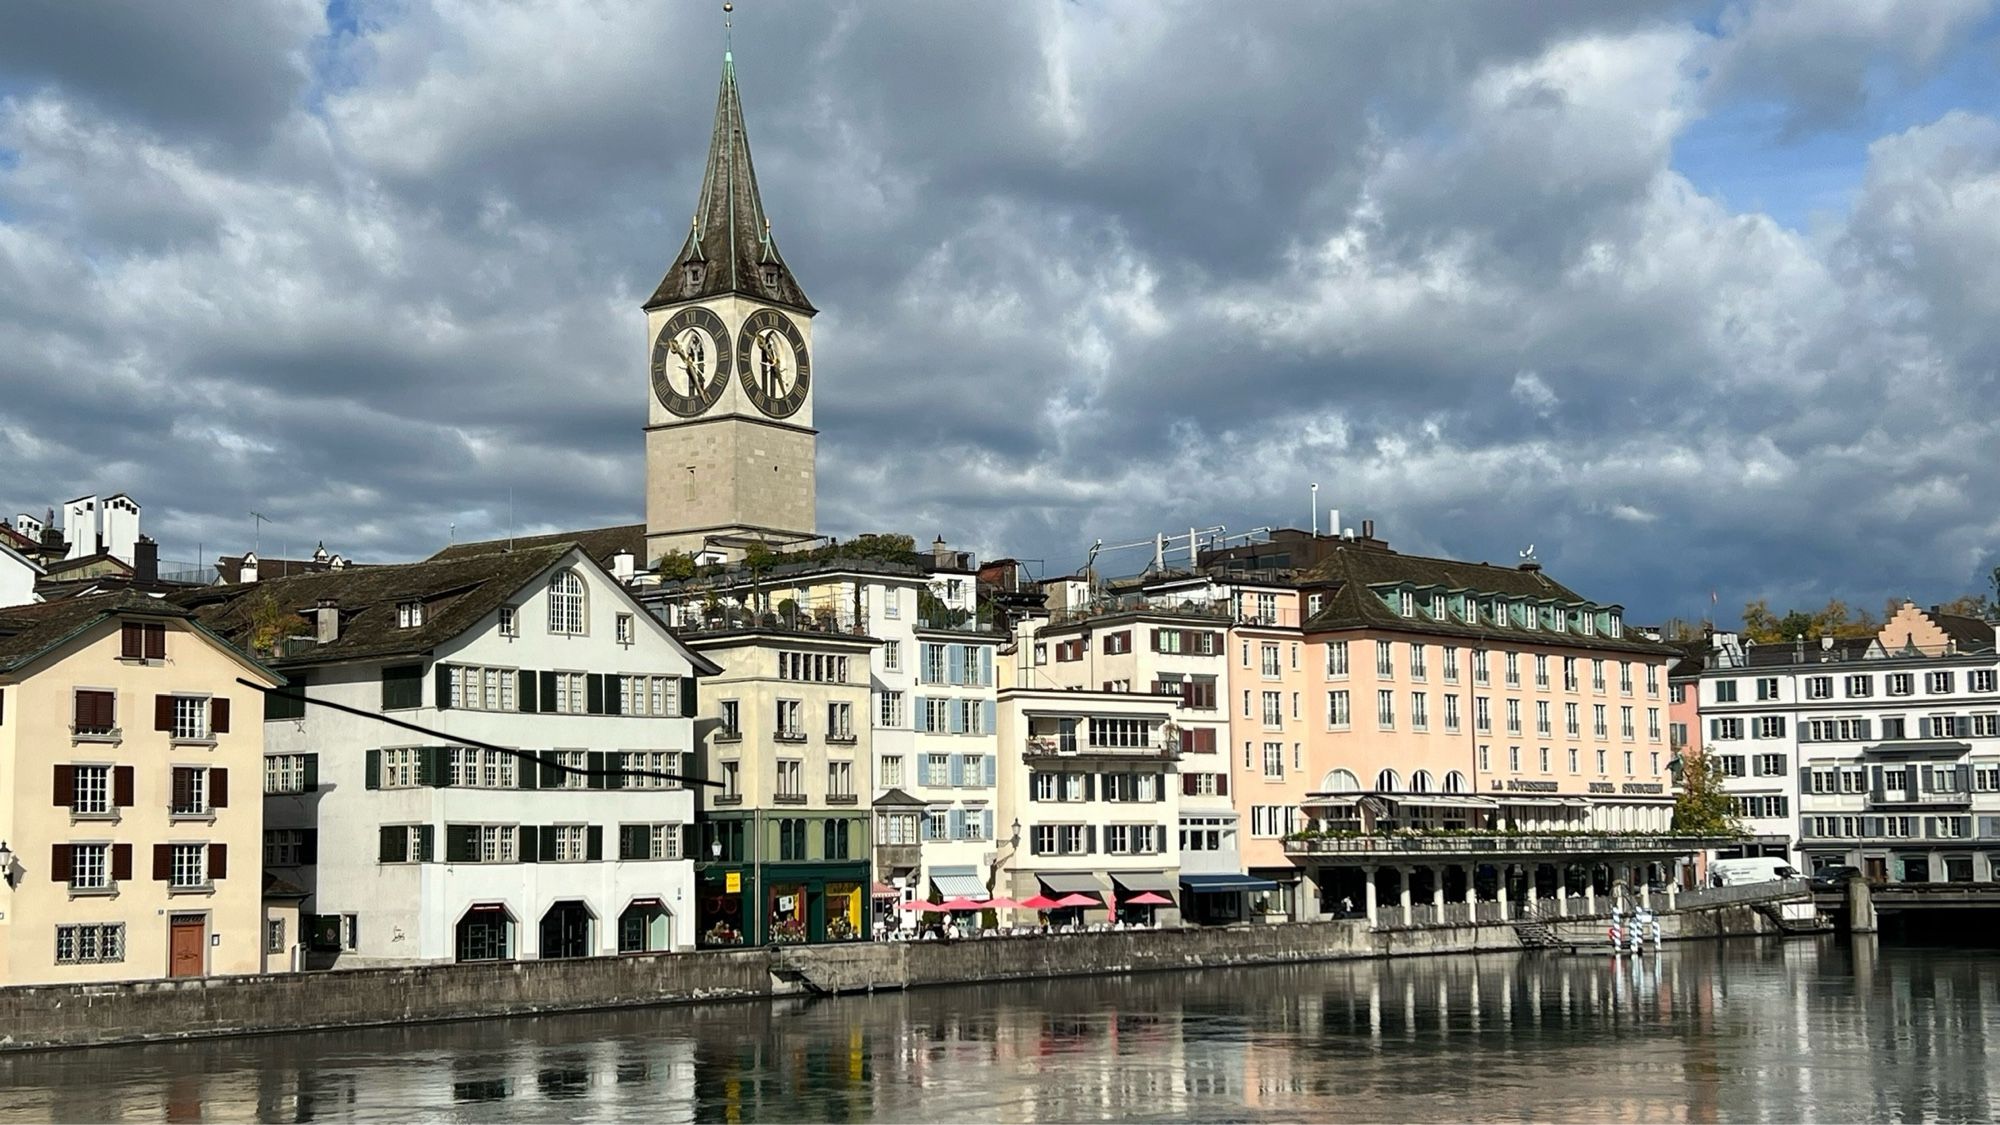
(1762, 869)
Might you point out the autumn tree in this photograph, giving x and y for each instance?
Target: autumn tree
(1835, 619)
(1702, 805)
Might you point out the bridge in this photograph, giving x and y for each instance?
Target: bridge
(1896, 898)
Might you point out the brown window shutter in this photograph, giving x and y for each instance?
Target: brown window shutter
(83, 709)
(218, 789)
(131, 641)
(1222, 785)
(107, 709)
(182, 792)
(59, 863)
(163, 862)
(156, 642)
(1187, 785)
(121, 862)
(121, 787)
(218, 862)
(163, 712)
(65, 786)
(218, 715)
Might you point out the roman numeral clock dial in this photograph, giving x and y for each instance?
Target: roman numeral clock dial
(691, 362)
(775, 370)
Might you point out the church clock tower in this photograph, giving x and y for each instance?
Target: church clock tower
(730, 445)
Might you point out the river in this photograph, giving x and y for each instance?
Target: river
(1744, 1030)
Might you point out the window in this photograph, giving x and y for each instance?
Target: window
(1938, 683)
(1770, 726)
(1541, 671)
(1336, 659)
(142, 640)
(91, 790)
(1274, 709)
(1569, 673)
(1597, 676)
(892, 656)
(89, 866)
(1573, 768)
(1485, 760)
(1451, 664)
(791, 777)
(817, 667)
(399, 768)
(1420, 712)
(481, 689)
(1337, 709)
(92, 944)
(889, 771)
(890, 709)
(840, 722)
(732, 780)
(1274, 759)
(567, 604)
(1625, 728)
(1513, 669)
(1417, 670)
(189, 866)
(409, 615)
(649, 841)
(1513, 716)
(1451, 713)
(1572, 719)
(1409, 604)
(639, 763)
(400, 843)
(94, 714)
(1860, 687)
(1759, 807)
(190, 718)
(1120, 733)
(840, 779)
(1624, 678)
(1628, 763)
(1268, 658)
(1385, 664)
(484, 769)
(1598, 721)
(622, 628)
(1542, 725)
(1652, 724)
(1819, 687)
(1479, 666)
(1731, 765)
(1601, 767)
(1900, 683)
(732, 725)
(1385, 709)
(189, 792)
(510, 622)
(1725, 691)
(1482, 716)
(937, 770)
(1544, 759)
(1981, 680)
(790, 718)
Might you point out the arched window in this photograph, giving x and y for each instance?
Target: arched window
(1454, 782)
(567, 604)
(1340, 781)
(1388, 782)
(1420, 782)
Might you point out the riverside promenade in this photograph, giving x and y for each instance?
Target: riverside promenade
(55, 1016)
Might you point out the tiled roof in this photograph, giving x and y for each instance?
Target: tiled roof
(600, 543)
(1354, 570)
(1971, 634)
(456, 593)
(28, 632)
(230, 567)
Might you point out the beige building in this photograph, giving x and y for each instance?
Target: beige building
(131, 765)
(784, 727)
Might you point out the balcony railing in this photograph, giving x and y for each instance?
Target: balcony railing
(734, 619)
(1581, 844)
(1039, 747)
(1217, 611)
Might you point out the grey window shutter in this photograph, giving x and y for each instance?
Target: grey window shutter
(441, 687)
(594, 762)
(612, 704)
(593, 842)
(548, 693)
(460, 844)
(548, 844)
(372, 763)
(688, 696)
(528, 851)
(394, 840)
(552, 773)
(525, 696)
(628, 841)
(527, 770)
(311, 772)
(991, 765)
(426, 840)
(593, 693)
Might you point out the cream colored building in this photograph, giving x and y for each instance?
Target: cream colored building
(131, 764)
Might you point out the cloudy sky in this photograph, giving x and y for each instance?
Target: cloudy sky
(1693, 297)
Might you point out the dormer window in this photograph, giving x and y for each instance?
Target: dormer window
(770, 274)
(1529, 616)
(1617, 628)
(1589, 623)
(409, 615)
(1409, 604)
(691, 275)
(1437, 606)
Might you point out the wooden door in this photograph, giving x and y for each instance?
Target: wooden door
(1876, 868)
(188, 939)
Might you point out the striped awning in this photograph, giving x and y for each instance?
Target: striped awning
(959, 882)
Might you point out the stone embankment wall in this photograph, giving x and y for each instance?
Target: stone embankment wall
(39, 1017)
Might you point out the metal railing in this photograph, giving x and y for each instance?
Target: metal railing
(1747, 892)
(1579, 844)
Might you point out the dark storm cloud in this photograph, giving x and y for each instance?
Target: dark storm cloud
(1086, 271)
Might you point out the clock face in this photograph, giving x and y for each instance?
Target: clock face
(775, 370)
(691, 361)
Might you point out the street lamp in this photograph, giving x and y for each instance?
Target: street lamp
(1013, 841)
(715, 849)
(7, 860)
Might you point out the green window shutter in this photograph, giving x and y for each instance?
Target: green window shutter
(372, 763)
(548, 693)
(617, 763)
(612, 704)
(461, 843)
(441, 691)
(594, 762)
(593, 692)
(312, 772)
(402, 687)
(426, 841)
(628, 841)
(527, 770)
(688, 700)
(552, 774)
(395, 842)
(524, 695)
(593, 842)
(434, 766)
(547, 847)
(527, 850)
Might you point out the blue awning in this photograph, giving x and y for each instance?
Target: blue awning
(1214, 884)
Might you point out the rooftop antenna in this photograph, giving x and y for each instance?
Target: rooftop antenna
(257, 522)
(510, 517)
(1315, 522)
(450, 534)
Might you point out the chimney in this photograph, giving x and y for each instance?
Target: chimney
(329, 621)
(1367, 529)
(940, 554)
(145, 560)
(621, 567)
(246, 572)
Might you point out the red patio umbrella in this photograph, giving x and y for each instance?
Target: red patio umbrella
(999, 903)
(961, 903)
(919, 904)
(1078, 900)
(1037, 902)
(1149, 899)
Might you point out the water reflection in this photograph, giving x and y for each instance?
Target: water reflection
(1740, 1031)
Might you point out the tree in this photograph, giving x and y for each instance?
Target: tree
(1835, 619)
(1703, 806)
(1969, 605)
(676, 566)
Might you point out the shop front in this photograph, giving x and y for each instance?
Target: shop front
(782, 904)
